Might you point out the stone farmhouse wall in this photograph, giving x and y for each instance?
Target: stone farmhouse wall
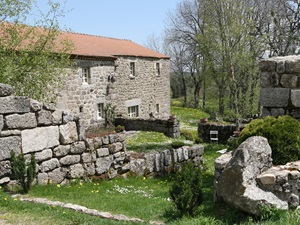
(170, 127)
(57, 140)
(280, 87)
(111, 83)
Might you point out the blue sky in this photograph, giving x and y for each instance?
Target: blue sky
(135, 20)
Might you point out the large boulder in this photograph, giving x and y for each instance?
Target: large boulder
(236, 177)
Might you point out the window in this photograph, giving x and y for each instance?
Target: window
(157, 108)
(157, 68)
(100, 111)
(86, 75)
(133, 111)
(132, 69)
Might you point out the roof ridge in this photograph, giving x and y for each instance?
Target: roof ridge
(94, 35)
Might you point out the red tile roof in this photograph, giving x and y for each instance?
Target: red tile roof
(97, 46)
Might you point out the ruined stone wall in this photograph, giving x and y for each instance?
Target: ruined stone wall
(170, 127)
(280, 87)
(225, 131)
(58, 142)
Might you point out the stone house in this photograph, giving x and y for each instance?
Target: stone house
(115, 72)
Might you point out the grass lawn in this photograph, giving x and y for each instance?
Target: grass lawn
(144, 198)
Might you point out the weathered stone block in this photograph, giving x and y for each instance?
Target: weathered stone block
(57, 175)
(4, 180)
(157, 166)
(89, 168)
(289, 81)
(35, 106)
(168, 157)
(1, 123)
(280, 67)
(39, 138)
(49, 165)
(274, 97)
(14, 104)
(27, 120)
(267, 65)
(57, 117)
(277, 112)
(86, 157)
(105, 140)
(61, 150)
(97, 142)
(150, 161)
(8, 144)
(115, 147)
(295, 97)
(4, 168)
(77, 147)
(103, 164)
(44, 117)
(69, 160)
(68, 133)
(76, 171)
(265, 112)
(102, 152)
(42, 178)
(44, 155)
(267, 179)
(5, 90)
(292, 64)
(138, 166)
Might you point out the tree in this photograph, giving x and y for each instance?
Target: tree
(185, 25)
(32, 58)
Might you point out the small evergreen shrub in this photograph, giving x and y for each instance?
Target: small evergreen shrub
(24, 175)
(186, 190)
(190, 135)
(119, 128)
(198, 140)
(282, 133)
(177, 144)
(232, 143)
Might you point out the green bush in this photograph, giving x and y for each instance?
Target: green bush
(177, 144)
(190, 135)
(19, 172)
(198, 140)
(186, 190)
(282, 133)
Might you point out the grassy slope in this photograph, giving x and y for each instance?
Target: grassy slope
(136, 197)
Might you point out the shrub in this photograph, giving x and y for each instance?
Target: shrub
(119, 128)
(177, 144)
(190, 135)
(198, 140)
(232, 143)
(186, 190)
(283, 135)
(19, 172)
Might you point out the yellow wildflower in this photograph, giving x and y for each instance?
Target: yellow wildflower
(58, 185)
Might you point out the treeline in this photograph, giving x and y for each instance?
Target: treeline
(216, 45)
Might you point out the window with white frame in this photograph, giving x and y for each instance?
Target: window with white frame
(132, 69)
(133, 111)
(86, 75)
(100, 111)
(157, 69)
